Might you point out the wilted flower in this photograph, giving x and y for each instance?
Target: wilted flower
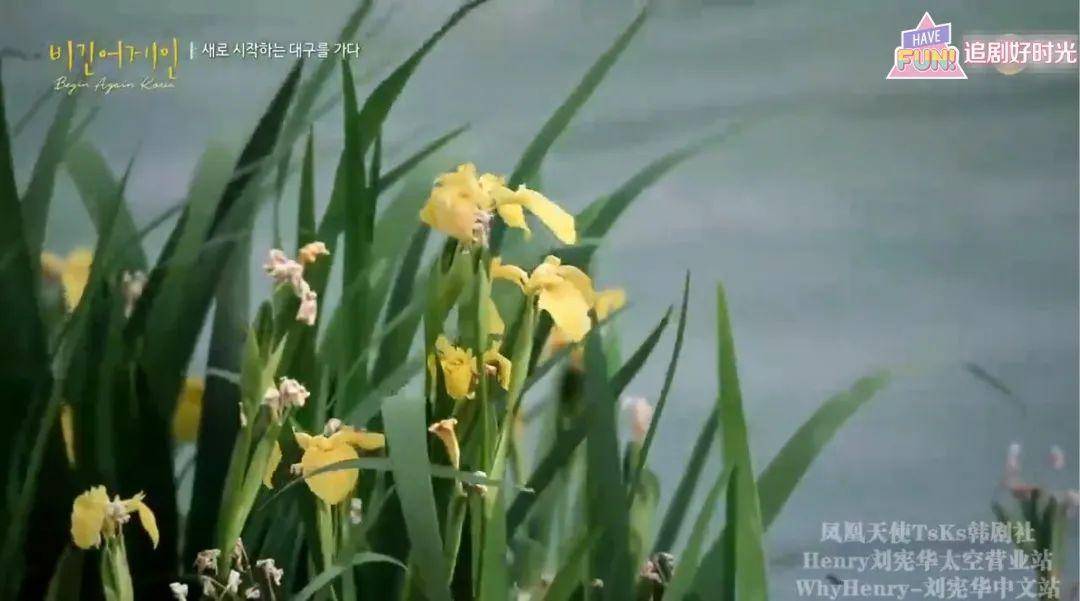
(564, 291)
(284, 270)
(309, 305)
(444, 429)
(189, 410)
(293, 393)
(179, 591)
(320, 451)
(461, 205)
(310, 252)
(289, 393)
(94, 516)
(232, 585)
(499, 366)
(206, 561)
(273, 573)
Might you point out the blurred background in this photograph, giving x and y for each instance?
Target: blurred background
(857, 223)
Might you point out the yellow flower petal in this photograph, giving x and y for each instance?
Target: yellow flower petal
(88, 517)
(450, 215)
(502, 366)
(303, 440)
(552, 215)
(67, 429)
(76, 272)
(363, 440)
(148, 521)
(189, 410)
(459, 367)
(444, 429)
(514, 216)
(567, 307)
(510, 273)
(580, 280)
(609, 301)
(334, 486)
(272, 465)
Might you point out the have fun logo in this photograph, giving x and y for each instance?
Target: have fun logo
(926, 52)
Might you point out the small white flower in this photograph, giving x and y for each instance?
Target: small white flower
(208, 587)
(296, 469)
(253, 593)
(179, 591)
(233, 584)
(207, 561)
(273, 573)
(356, 511)
(132, 286)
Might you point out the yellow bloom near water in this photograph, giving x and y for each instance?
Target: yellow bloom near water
(564, 291)
(461, 205)
(72, 271)
(94, 517)
(320, 451)
(605, 303)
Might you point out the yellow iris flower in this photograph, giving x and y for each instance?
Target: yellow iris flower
(94, 516)
(461, 205)
(72, 272)
(460, 370)
(605, 303)
(320, 451)
(189, 410)
(458, 367)
(564, 291)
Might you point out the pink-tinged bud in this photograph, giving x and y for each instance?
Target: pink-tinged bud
(641, 413)
(1057, 458)
(1012, 460)
(132, 286)
(309, 305)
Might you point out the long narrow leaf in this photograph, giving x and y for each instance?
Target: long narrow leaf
(406, 432)
(778, 480)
